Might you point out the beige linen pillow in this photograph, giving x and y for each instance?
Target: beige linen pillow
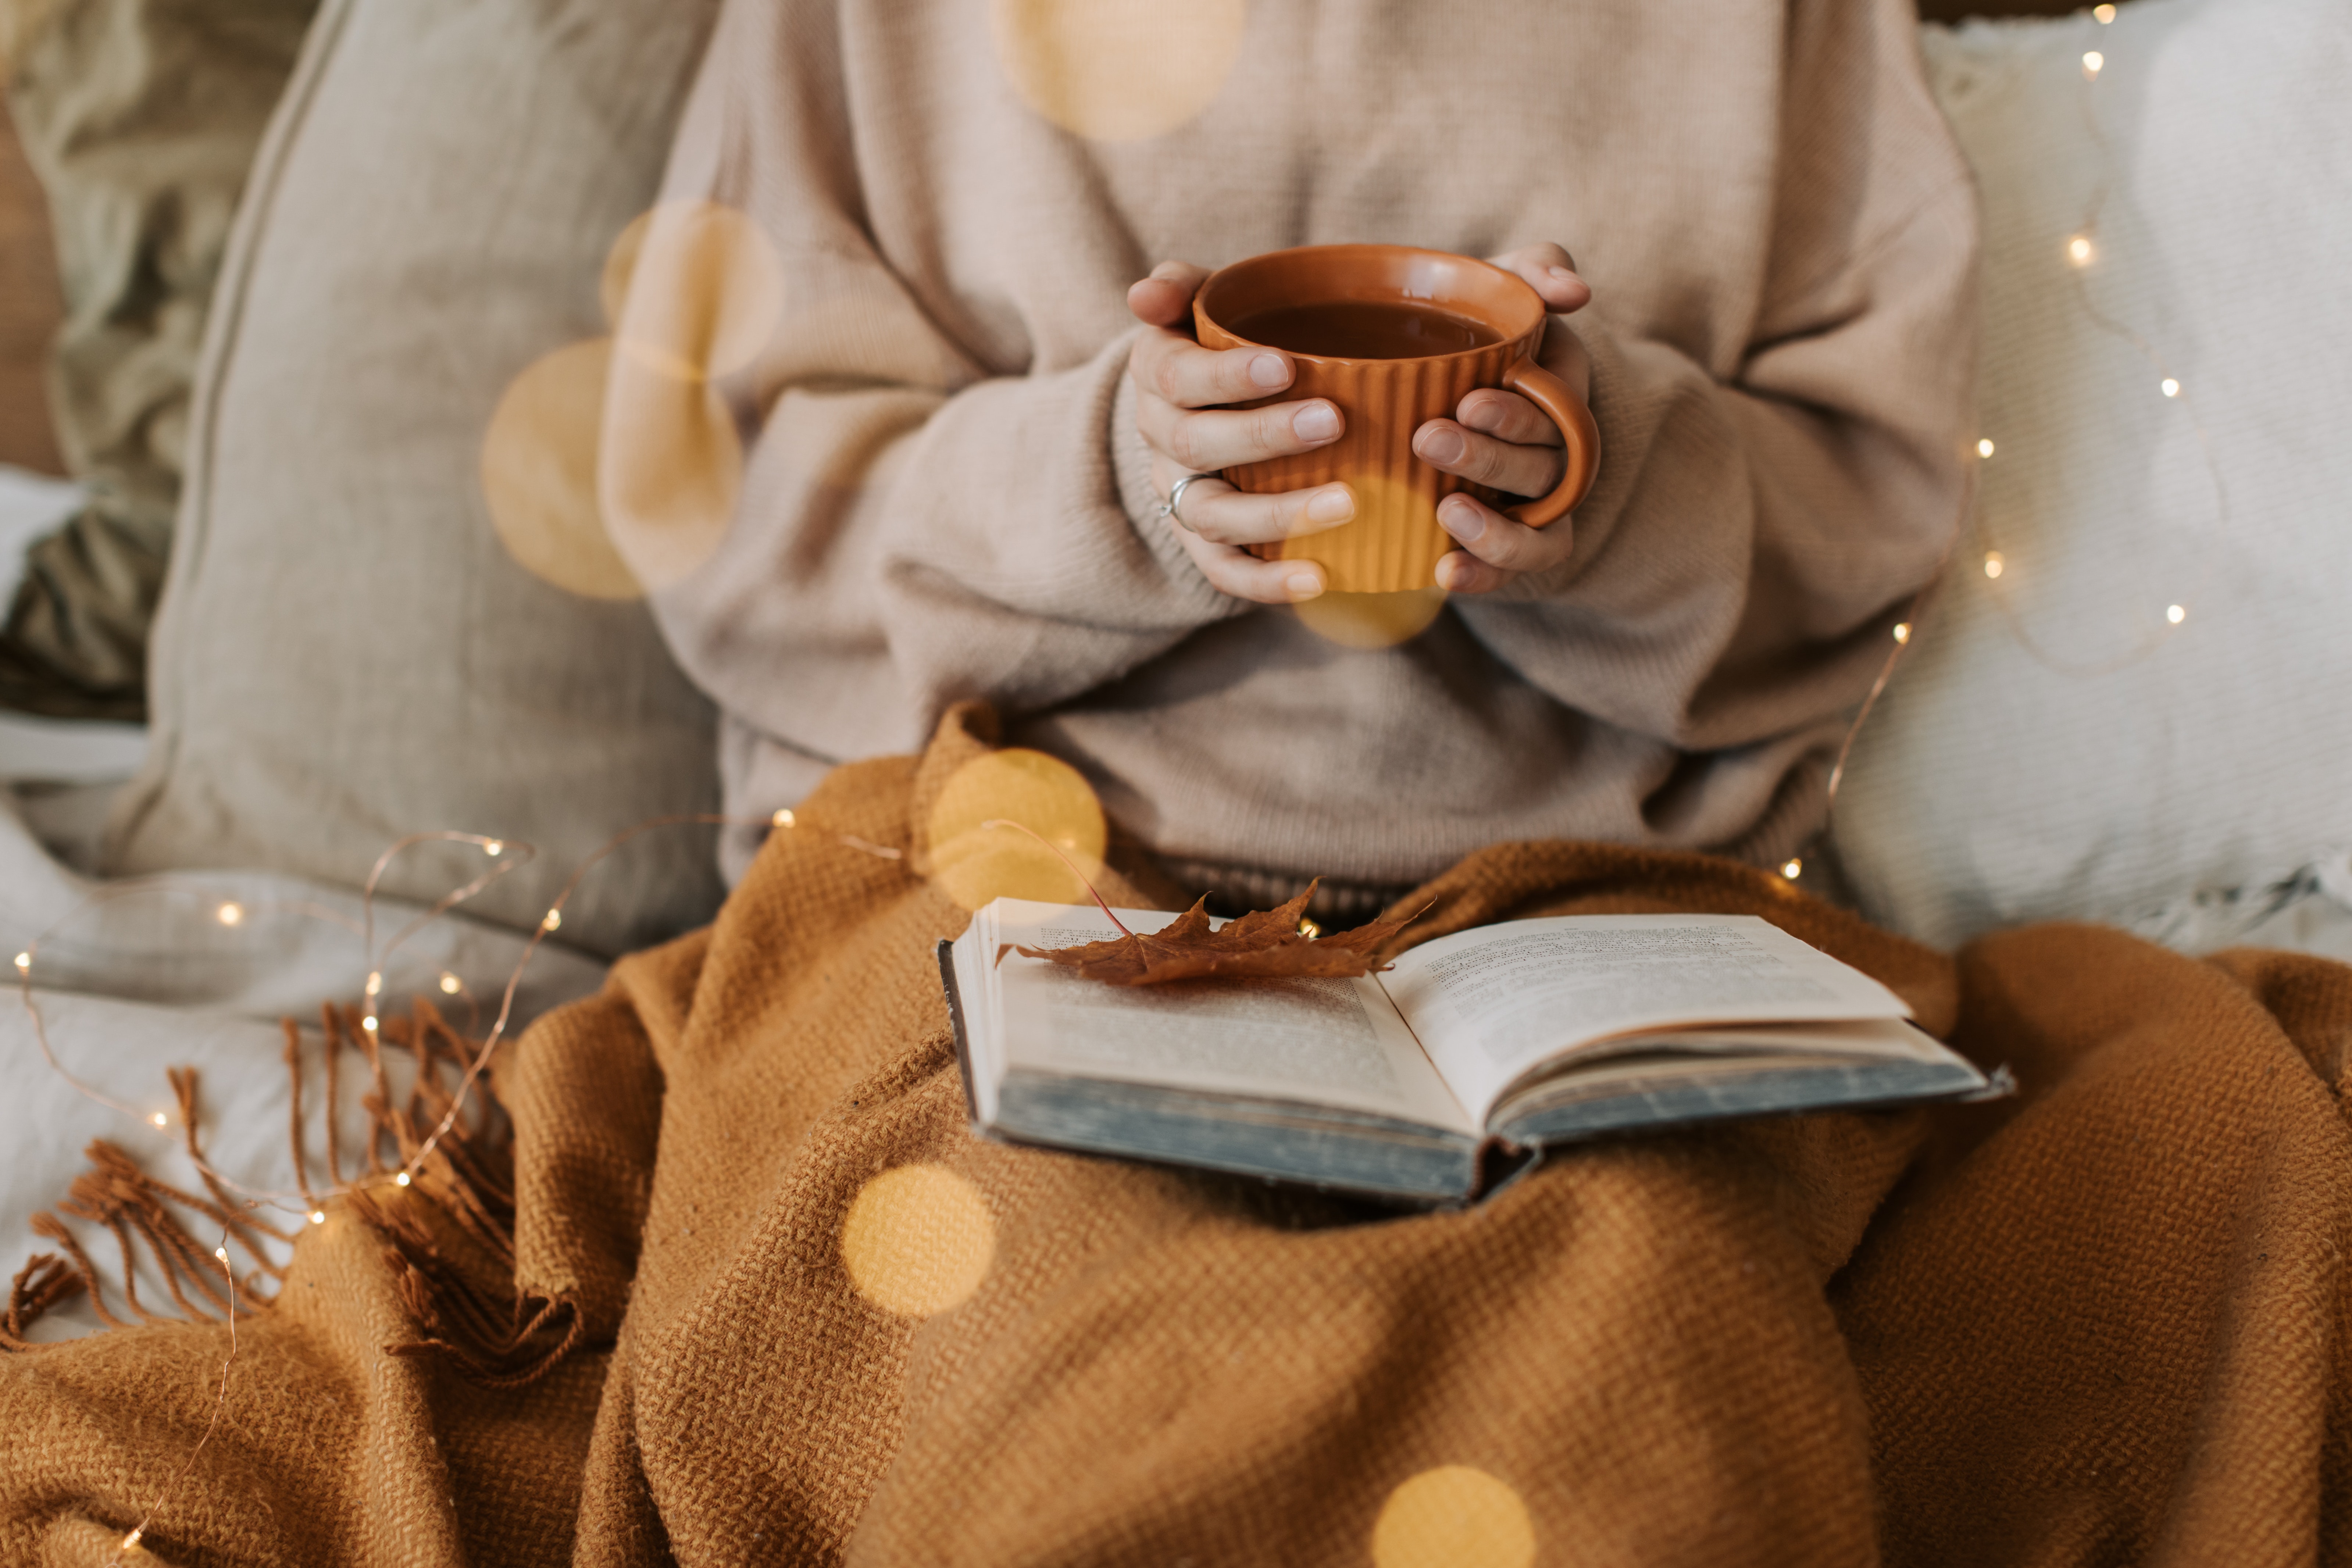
(348, 650)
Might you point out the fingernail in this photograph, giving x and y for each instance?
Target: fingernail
(1334, 505)
(1462, 521)
(1268, 370)
(1316, 422)
(1442, 446)
(1304, 586)
(1563, 274)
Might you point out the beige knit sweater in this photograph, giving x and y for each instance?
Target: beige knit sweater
(946, 499)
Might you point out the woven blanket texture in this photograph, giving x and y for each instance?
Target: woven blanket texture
(816, 1321)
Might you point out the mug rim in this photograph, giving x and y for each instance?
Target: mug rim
(1204, 305)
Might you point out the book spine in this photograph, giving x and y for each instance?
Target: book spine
(946, 951)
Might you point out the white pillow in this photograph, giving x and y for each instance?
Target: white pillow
(2055, 747)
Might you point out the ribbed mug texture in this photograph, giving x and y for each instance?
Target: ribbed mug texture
(1394, 543)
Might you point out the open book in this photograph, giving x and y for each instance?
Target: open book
(1524, 1034)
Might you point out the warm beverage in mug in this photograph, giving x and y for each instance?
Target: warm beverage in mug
(1365, 329)
(1393, 337)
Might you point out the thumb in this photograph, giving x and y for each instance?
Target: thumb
(1165, 298)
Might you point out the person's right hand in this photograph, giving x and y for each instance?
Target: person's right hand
(1179, 386)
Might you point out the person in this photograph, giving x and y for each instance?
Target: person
(753, 1290)
(970, 412)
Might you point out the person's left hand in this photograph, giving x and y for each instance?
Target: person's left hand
(1501, 440)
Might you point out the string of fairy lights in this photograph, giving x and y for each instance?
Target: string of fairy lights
(2081, 251)
(507, 856)
(309, 1201)
(502, 856)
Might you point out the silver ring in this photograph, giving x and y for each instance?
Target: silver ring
(1176, 494)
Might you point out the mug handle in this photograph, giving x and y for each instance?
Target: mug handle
(1568, 411)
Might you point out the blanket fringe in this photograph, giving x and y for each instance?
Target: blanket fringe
(493, 1340)
(142, 1214)
(497, 1337)
(44, 1281)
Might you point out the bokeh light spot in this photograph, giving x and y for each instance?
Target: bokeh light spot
(918, 1241)
(1372, 620)
(1117, 71)
(670, 469)
(539, 473)
(1392, 545)
(694, 289)
(974, 864)
(1454, 1517)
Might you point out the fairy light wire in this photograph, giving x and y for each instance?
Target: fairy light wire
(493, 848)
(1904, 633)
(2084, 250)
(511, 853)
(138, 1532)
(551, 922)
(112, 892)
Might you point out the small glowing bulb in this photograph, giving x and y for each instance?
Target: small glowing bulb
(1984, 447)
(130, 1541)
(160, 1119)
(368, 1023)
(494, 849)
(553, 920)
(402, 1179)
(24, 960)
(230, 914)
(2092, 63)
(1903, 631)
(450, 983)
(1792, 868)
(1993, 563)
(2175, 614)
(375, 983)
(220, 1253)
(318, 1216)
(1309, 930)
(2103, 15)
(782, 818)
(2078, 250)
(2170, 387)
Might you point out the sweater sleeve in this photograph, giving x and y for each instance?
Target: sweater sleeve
(1766, 508)
(914, 526)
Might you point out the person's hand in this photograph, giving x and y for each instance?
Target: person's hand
(1500, 439)
(1496, 439)
(1178, 386)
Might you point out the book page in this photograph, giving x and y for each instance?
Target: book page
(1491, 1003)
(1315, 1039)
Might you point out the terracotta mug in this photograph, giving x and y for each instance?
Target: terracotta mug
(1407, 334)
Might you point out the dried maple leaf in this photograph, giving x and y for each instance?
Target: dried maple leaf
(1265, 945)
